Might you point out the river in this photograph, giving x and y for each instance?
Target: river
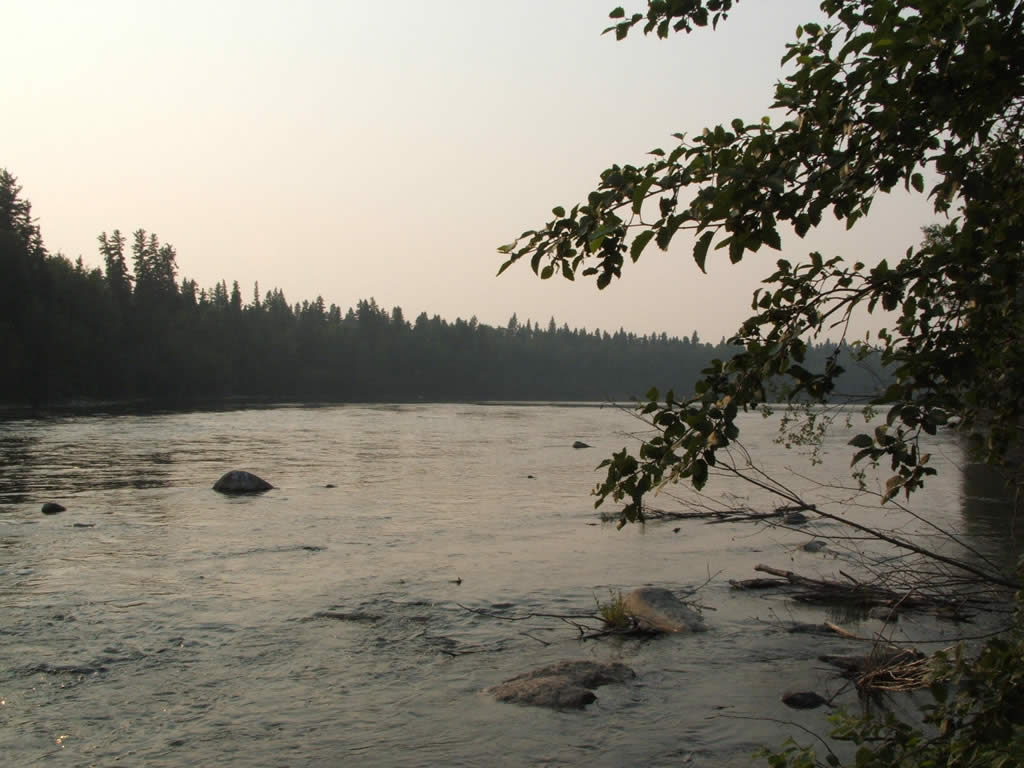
(158, 623)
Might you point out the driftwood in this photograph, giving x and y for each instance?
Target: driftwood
(758, 583)
(853, 592)
(825, 628)
(736, 515)
(886, 668)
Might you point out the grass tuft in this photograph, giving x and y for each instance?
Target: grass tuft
(613, 613)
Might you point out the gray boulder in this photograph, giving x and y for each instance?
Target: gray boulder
(238, 481)
(565, 685)
(52, 508)
(580, 444)
(658, 610)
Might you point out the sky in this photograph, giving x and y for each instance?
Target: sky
(365, 149)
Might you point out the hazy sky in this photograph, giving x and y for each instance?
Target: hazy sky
(358, 149)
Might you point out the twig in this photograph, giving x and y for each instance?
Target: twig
(542, 642)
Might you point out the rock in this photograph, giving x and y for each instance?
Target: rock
(803, 700)
(238, 481)
(580, 444)
(794, 518)
(884, 612)
(815, 546)
(659, 610)
(565, 685)
(330, 485)
(53, 508)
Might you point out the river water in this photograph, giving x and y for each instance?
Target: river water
(158, 623)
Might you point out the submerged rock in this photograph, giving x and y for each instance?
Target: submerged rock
(238, 481)
(659, 610)
(816, 545)
(885, 613)
(53, 508)
(580, 444)
(794, 518)
(803, 700)
(565, 685)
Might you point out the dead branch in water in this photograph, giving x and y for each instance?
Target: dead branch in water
(728, 515)
(865, 595)
(758, 583)
(886, 668)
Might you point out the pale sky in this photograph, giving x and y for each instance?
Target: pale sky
(358, 149)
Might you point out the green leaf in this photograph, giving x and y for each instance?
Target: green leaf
(640, 194)
(917, 182)
(617, 13)
(547, 272)
(700, 250)
(559, 211)
(862, 441)
(639, 243)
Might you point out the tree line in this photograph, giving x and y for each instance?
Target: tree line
(134, 330)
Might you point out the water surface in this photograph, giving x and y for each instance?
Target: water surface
(159, 623)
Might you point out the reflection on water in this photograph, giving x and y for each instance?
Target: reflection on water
(158, 623)
(990, 513)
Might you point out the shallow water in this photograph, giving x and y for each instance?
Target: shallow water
(159, 623)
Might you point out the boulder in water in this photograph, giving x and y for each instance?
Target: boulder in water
(580, 444)
(238, 481)
(803, 700)
(53, 508)
(565, 685)
(659, 610)
(885, 613)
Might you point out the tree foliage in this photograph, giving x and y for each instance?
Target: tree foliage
(135, 332)
(927, 96)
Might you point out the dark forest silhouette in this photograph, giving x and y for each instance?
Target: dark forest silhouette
(134, 331)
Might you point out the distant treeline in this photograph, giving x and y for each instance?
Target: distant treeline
(69, 332)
